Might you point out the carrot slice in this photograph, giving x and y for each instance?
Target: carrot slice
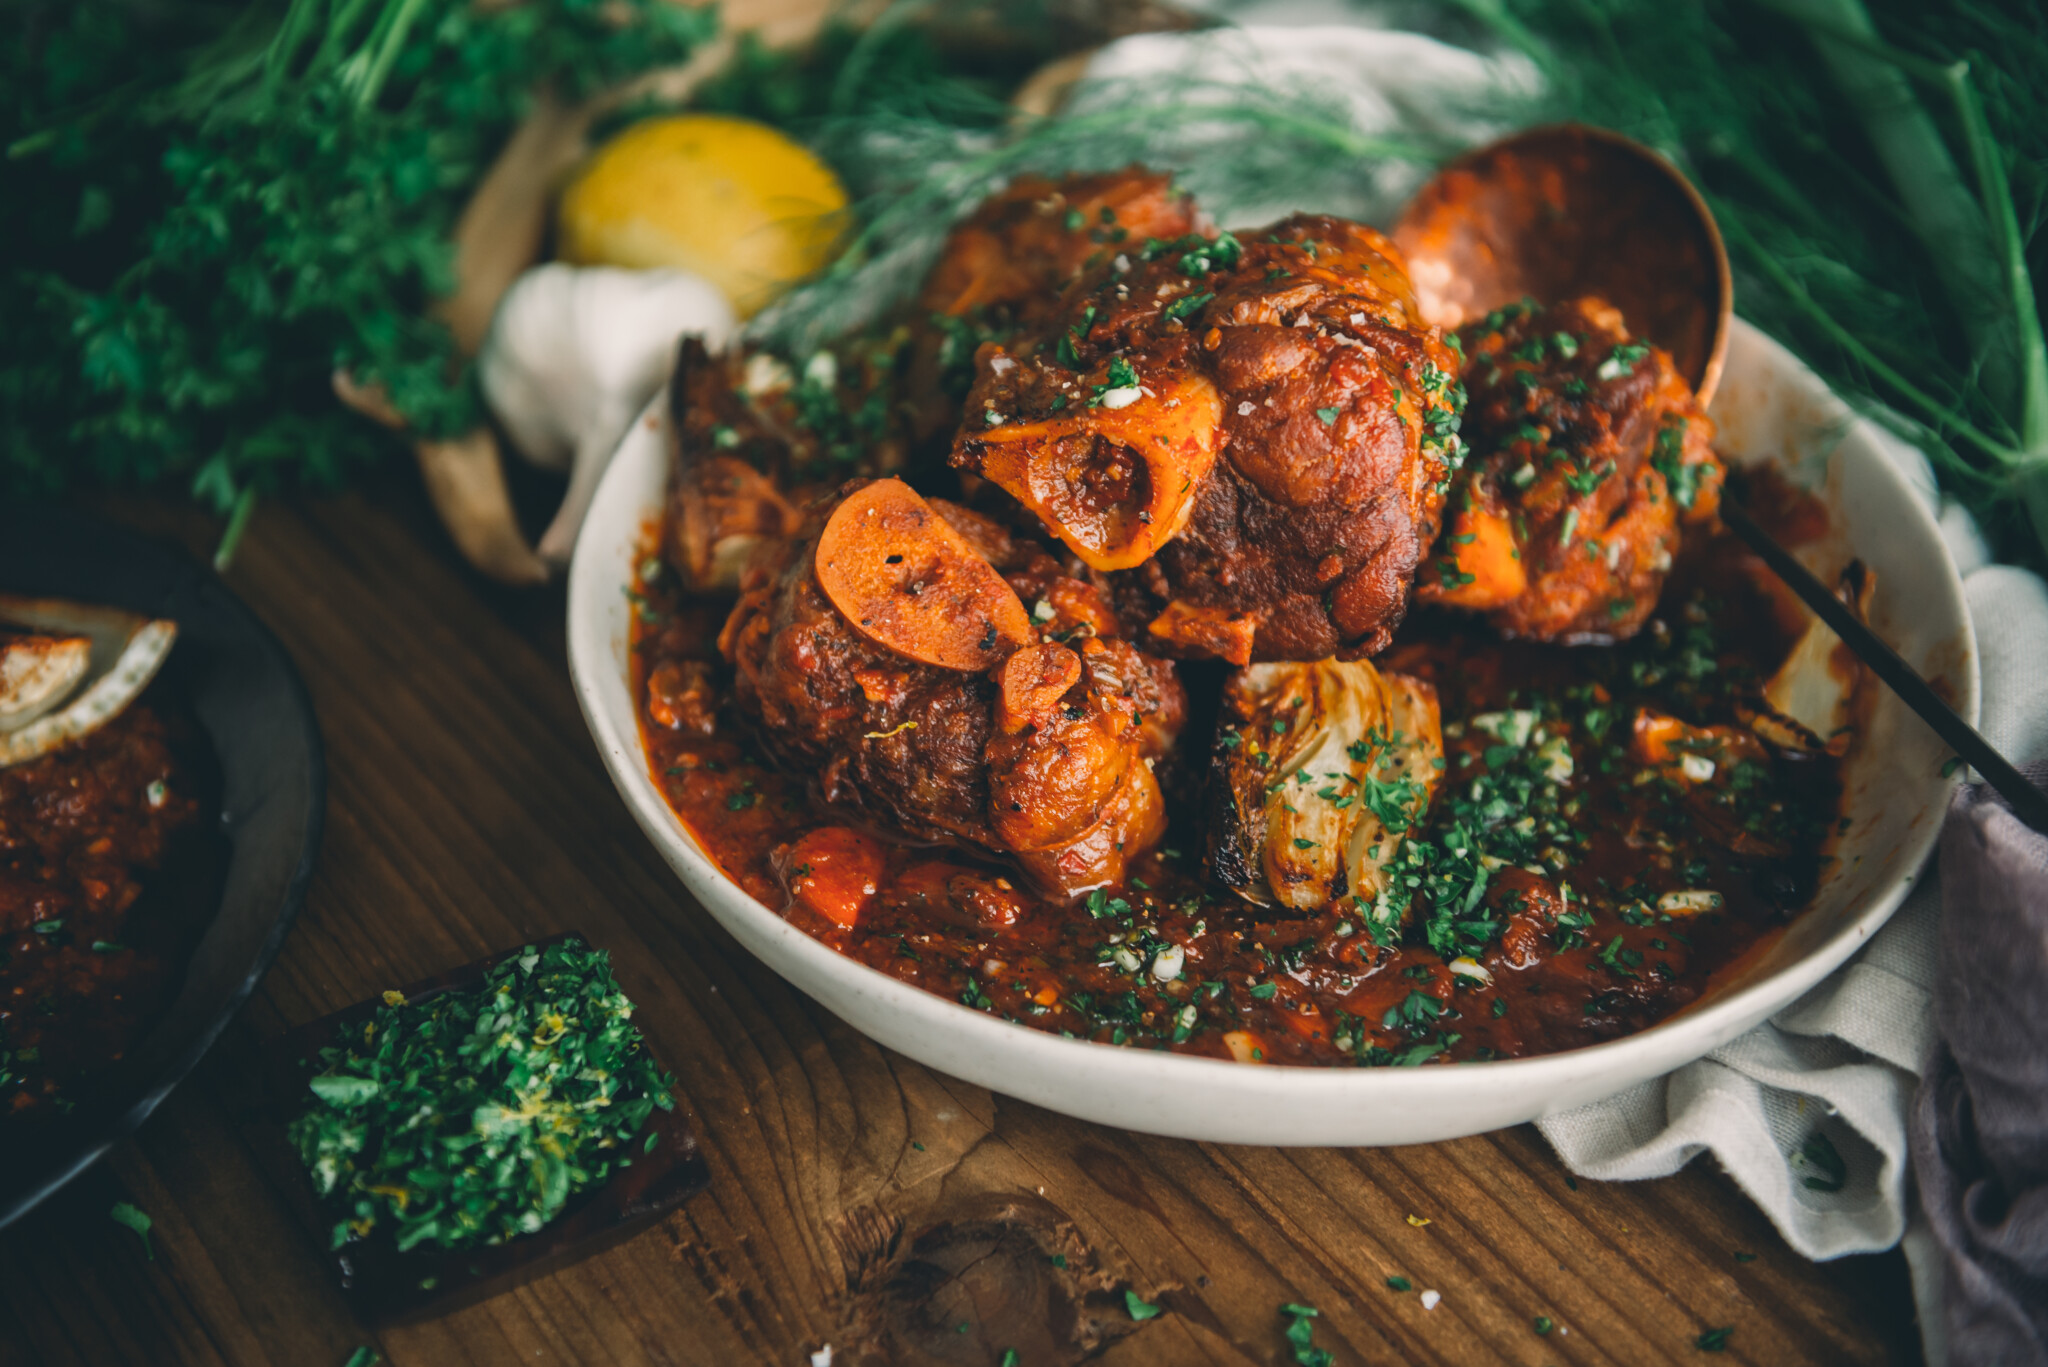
(1244, 1046)
(835, 871)
(1488, 563)
(903, 578)
(1657, 737)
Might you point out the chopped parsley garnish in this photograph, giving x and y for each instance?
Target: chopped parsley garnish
(1714, 1340)
(131, 1217)
(1622, 360)
(1584, 479)
(1417, 1011)
(1202, 255)
(1667, 457)
(1121, 376)
(1301, 1331)
(1101, 904)
(472, 1117)
(1139, 1307)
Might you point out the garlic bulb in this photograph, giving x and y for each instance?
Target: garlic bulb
(574, 353)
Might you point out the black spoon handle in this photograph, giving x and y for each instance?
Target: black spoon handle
(2029, 803)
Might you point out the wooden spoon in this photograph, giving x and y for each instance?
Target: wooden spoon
(1568, 210)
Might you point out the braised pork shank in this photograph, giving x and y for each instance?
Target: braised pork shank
(1588, 452)
(887, 649)
(759, 434)
(1003, 270)
(1251, 437)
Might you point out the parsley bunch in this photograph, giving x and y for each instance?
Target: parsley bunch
(473, 1117)
(213, 207)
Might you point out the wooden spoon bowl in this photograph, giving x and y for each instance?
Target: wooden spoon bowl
(1568, 210)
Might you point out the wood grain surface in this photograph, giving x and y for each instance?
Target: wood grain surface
(857, 1199)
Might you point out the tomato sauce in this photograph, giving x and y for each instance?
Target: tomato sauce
(107, 870)
(1614, 885)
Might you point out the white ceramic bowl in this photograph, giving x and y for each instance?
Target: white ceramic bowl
(1769, 406)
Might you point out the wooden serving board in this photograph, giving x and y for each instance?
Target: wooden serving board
(856, 1198)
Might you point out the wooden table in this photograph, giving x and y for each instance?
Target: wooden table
(857, 1199)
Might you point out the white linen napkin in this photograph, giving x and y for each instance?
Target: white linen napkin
(1844, 1058)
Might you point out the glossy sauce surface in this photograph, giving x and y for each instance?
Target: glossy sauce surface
(1558, 902)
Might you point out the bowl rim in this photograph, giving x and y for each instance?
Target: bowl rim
(1676, 1038)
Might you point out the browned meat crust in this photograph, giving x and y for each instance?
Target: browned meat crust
(759, 435)
(757, 438)
(1252, 437)
(1004, 267)
(1589, 451)
(1055, 778)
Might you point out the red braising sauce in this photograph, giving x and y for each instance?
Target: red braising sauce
(1610, 895)
(106, 869)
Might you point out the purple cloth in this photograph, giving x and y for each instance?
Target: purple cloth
(1980, 1122)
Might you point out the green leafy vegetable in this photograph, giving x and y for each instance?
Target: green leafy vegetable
(473, 1117)
(1139, 1308)
(213, 207)
(133, 1218)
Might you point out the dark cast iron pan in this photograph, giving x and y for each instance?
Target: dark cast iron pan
(235, 678)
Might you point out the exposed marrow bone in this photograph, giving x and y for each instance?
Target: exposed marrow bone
(1114, 483)
(125, 652)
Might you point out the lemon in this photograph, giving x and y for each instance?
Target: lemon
(727, 199)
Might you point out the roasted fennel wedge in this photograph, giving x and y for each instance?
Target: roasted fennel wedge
(1320, 770)
(1808, 705)
(67, 669)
